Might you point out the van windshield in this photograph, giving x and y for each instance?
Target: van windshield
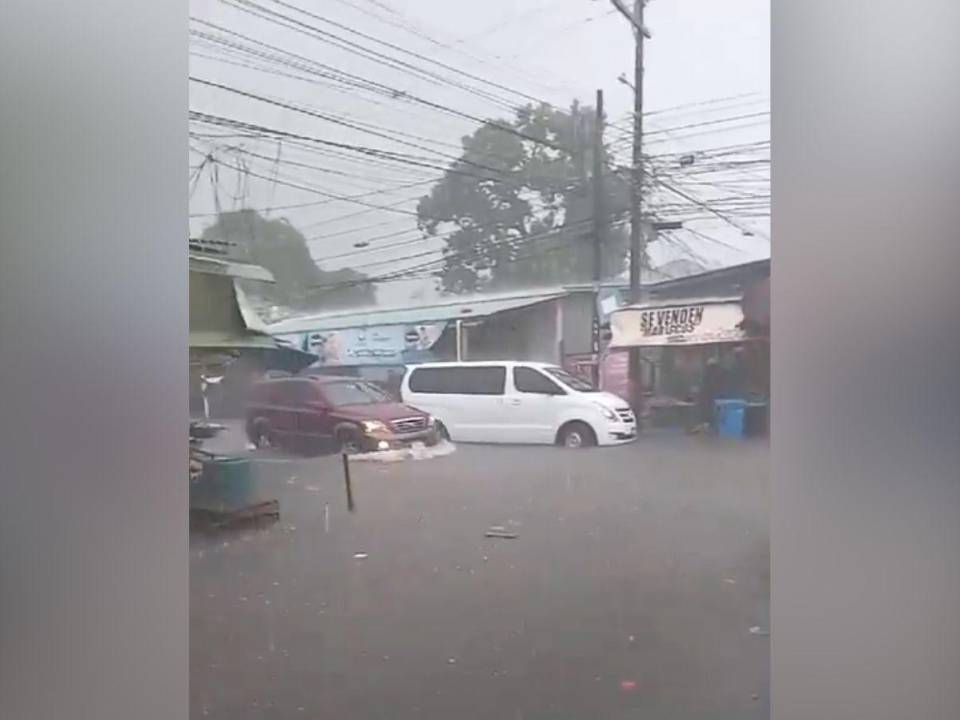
(571, 381)
(353, 393)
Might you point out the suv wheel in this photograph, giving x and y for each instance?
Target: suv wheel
(261, 436)
(348, 442)
(576, 435)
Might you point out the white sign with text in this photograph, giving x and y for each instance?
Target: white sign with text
(681, 324)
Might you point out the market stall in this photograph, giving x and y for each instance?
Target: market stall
(697, 352)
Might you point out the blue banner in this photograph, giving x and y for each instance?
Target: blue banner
(379, 345)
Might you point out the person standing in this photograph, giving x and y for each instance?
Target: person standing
(710, 389)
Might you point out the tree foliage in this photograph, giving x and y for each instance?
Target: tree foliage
(282, 249)
(515, 212)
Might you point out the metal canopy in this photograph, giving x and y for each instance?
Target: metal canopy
(461, 308)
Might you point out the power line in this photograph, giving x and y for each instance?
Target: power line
(401, 158)
(408, 52)
(353, 199)
(707, 207)
(316, 33)
(335, 196)
(320, 116)
(349, 198)
(393, 93)
(430, 268)
(405, 24)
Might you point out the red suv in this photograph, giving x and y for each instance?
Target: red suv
(302, 413)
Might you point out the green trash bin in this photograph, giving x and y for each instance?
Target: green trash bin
(226, 484)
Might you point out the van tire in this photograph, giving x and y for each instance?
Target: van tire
(442, 432)
(576, 435)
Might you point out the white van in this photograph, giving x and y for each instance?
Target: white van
(517, 402)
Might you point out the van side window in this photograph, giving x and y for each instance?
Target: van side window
(528, 380)
(459, 380)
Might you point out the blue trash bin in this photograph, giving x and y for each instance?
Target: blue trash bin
(730, 417)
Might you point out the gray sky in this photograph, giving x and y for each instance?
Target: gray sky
(706, 86)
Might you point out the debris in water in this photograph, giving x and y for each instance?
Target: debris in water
(757, 630)
(730, 581)
(360, 556)
(452, 661)
(491, 533)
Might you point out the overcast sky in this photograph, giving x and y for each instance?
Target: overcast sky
(707, 62)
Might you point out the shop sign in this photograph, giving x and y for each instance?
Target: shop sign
(687, 324)
(380, 345)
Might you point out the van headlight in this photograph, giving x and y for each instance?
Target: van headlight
(372, 426)
(606, 412)
(431, 421)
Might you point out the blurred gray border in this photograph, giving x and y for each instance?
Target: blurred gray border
(866, 473)
(866, 357)
(93, 330)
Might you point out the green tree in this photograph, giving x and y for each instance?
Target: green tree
(282, 249)
(516, 212)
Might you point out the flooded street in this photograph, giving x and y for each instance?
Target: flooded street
(626, 582)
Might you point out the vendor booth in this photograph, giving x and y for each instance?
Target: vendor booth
(701, 365)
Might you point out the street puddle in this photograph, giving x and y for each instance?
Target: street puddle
(415, 452)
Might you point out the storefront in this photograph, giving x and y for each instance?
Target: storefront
(678, 340)
(377, 344)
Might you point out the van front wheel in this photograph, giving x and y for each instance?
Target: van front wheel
(576, 435)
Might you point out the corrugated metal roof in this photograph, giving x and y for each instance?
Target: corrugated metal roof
(218, 266)
(461, 307)
(220, 340)
(249, 315)
(677, 302)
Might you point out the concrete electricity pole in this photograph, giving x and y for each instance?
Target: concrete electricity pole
(637, 239)
(637, 244)
(599, 232)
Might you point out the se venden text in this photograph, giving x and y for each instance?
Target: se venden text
(671, 321)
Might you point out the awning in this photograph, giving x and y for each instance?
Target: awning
(697, 322)
(221, 266)
(445, 310)
(227, 340)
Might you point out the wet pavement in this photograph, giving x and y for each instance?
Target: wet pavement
(629, 590)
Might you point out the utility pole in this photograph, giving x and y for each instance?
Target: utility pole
(637, 244)
(599, 236)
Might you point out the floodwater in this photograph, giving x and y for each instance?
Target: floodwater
(628, 582)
